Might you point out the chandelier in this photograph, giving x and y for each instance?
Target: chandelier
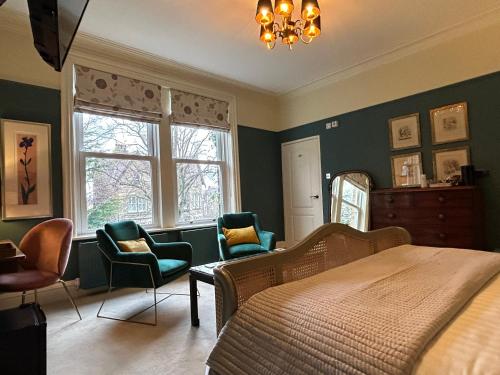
(306, 29)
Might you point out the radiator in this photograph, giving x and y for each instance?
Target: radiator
(91, 267)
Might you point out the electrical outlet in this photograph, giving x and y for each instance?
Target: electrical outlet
(335, 124)
(328, 125)
(328, 176)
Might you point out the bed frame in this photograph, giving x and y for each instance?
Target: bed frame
(331, 245)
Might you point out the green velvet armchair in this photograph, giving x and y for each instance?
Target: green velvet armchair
(243, 220)
(165, 262)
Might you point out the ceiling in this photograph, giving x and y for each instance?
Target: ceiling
(222, 37)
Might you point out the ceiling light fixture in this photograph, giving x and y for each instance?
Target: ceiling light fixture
(305, 29)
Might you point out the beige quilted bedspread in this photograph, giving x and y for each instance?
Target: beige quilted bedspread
(372, 316)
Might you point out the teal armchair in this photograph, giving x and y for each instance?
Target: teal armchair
(165, 262)
(243, 220)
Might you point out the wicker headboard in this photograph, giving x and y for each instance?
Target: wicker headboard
(331, 245)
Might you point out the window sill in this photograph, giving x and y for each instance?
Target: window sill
(85, 237)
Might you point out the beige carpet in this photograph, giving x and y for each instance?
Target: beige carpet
(100, 346)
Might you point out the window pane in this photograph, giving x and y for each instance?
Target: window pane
(118, 190)
(349, 215)
(115, 135)
(199, 192)
(353, 194)
(195, 143)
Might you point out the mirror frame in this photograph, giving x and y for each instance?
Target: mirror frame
(330, 185)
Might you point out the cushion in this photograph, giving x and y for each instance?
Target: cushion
(134, 246)
(246, 249)
(170, 266)
(240, 235)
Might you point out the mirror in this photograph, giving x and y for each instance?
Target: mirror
(349, 196)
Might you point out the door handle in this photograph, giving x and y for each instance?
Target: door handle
(314, 196)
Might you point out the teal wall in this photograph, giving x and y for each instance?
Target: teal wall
(362, 139)
(260, 177)
(36, 104)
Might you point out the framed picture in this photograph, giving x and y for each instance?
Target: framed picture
(450, 124)
(26, 170)
(406, 170)
(404, 132)
(448, 162)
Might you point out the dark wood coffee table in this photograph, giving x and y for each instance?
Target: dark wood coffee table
(203, 273)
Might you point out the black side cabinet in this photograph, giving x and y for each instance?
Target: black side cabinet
(23, 341)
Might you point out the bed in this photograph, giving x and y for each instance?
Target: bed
(349, 302)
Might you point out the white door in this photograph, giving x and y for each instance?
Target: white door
(303, 200)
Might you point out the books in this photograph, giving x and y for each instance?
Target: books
(7, 249)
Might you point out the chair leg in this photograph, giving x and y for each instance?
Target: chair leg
(36, 296)
(129, 319)
(70, 298)
(23, 297)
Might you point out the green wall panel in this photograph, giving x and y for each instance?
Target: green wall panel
(36, 104)
(260, 177)
(362, 139)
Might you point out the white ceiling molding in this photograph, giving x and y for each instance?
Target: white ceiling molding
(90, 44)
(480, 21)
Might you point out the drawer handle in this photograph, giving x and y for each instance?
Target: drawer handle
(391, 215)
(441, 199)
(442, 236)
(441, 217)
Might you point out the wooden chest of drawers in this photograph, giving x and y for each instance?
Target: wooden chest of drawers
(443, 217)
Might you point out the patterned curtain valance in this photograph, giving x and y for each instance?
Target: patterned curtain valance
(113, 95)
(192, 109)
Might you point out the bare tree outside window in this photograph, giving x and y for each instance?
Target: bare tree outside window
(117, 155)
(199, 167)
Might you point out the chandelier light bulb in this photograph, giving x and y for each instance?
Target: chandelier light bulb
(310, 10)
(264, 15)
(284, 8)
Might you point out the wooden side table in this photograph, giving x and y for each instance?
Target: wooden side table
(203, 273)
(10, 255)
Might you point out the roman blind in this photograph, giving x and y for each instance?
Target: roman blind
(110, 94)
(196, 110)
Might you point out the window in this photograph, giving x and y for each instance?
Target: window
(144, 152)
(349, 209)
(117, 165)
(200, 169)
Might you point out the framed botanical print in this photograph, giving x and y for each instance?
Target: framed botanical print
(406, 170)
(448, 162)
(26, 170)
(450, 124)
(404, 132)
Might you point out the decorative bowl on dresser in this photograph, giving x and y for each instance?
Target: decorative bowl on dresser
(441, 217)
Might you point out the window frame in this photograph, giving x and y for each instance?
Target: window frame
(136, 69)
(80, 177)
(223, 163)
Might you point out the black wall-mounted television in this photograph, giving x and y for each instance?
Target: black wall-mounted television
(54, 24)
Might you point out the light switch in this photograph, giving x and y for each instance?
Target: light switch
(328, 176)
